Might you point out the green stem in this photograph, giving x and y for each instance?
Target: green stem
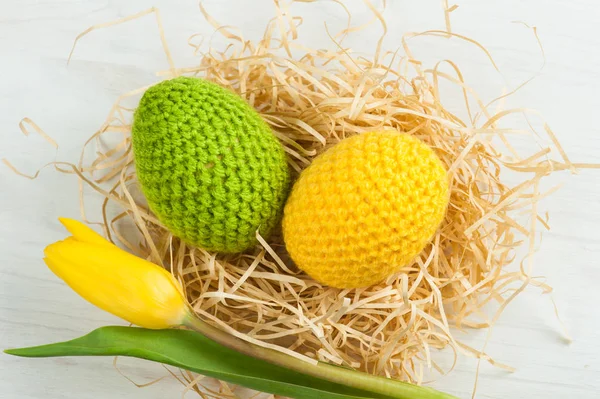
(356, 379)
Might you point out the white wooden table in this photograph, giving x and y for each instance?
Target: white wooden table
(71, 102)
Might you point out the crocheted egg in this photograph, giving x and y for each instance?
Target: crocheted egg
(209, 166)
(365, 208)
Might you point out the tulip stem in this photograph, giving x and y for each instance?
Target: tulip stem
(340, 375)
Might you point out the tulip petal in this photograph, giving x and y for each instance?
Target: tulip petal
(116, 281)
(83, 233)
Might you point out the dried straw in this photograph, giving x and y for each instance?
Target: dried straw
(313, 102)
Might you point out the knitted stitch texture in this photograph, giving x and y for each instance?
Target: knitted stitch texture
(209, 166)
(365, 208)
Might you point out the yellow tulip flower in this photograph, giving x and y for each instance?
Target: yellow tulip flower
(116, 281)
(148, 296)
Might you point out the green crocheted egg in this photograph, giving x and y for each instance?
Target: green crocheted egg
(209, 166)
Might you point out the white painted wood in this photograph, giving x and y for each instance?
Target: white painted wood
(71, 102)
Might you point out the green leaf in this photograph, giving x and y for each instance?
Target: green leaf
(192, 351)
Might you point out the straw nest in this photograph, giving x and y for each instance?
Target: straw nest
(314, 101)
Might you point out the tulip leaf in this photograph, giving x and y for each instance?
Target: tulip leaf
(192, 351)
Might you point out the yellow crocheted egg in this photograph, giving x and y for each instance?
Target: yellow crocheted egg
(365, 208)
